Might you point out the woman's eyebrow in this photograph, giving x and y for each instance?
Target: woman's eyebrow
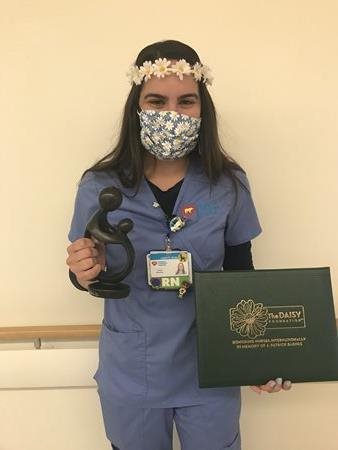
(193, 94)
(155, 95)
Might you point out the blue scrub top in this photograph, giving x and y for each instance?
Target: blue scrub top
(147, 349)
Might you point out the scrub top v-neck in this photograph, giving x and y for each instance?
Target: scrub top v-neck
(166, 199)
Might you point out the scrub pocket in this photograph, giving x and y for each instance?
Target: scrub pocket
(122, 363)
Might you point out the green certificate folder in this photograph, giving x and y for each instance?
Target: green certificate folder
(253, 326)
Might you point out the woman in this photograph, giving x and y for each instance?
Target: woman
(182, 192)
(180, 269)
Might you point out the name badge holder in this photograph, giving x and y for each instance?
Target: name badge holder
(170, 269)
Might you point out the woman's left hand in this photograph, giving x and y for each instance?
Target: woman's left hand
(273, 386)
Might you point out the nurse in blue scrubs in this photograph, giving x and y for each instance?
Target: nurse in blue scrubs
(183, 192)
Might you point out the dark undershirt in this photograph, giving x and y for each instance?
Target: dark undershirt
(237, 257)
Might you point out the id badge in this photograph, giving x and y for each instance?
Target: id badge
(169, 270)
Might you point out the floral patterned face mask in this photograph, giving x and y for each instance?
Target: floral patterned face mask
(168, 134)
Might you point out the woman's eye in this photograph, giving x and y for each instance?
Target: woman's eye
(156, 102)
(187, 102)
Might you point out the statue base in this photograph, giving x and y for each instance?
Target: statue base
(108, 290)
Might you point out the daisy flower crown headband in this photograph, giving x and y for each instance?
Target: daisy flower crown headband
(162, 67)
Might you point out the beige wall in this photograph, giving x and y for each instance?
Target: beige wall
(62, 89)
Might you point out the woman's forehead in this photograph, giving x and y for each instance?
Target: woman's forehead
(170, 85)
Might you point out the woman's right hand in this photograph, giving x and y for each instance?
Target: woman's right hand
(86, 259)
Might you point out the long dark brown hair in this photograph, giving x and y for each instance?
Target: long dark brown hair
(126, 159)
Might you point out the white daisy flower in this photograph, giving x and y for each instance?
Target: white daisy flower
(177, 143)
(169, 125)
(206, 72)
(181, 68)
(134, 75)
(159, 123)
(166, 145)
(147, 70)
(164, 135)
(161, 67)
(181, 128)
(197, 71)
(144, 118)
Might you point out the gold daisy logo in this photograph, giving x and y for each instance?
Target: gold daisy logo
(249, 319)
